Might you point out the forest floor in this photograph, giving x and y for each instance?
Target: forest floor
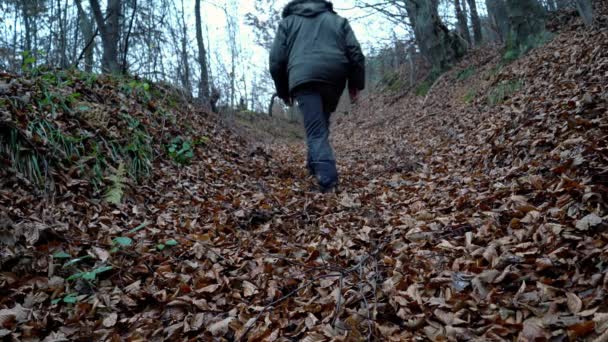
(478, 211)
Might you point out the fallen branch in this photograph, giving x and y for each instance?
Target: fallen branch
(431, 89)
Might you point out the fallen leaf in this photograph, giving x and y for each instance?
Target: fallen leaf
(110, 320)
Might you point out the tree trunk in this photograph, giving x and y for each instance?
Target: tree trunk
(527, 22)
(462, 22)
(271, 105)
(585, 9)
(110, 33)
(27, 22)
(561, 4)
(499, 17)
(184, 52)
(125, 64)
(203, 85)
(63, 39)
(436, 42)
(476, 22)
(86, 26)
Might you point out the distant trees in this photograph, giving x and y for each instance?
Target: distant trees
(113, 36)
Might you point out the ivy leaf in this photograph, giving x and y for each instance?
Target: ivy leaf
(138, 228)
(76, 276)
(61, 255)
(123, 241)
(77, 260)
(160, 246)
(72, 298)
(171, 242)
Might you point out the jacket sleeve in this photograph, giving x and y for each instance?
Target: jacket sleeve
(279, 57)
(356, 59)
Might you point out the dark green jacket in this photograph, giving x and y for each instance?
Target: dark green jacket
(314, 44)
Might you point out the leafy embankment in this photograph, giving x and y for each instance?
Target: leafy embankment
(477, 211)
(500, 213)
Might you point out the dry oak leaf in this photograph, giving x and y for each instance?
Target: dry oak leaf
(209, 289)
(249, 289)
(221, 327)
(575, 304)
(533, 330)
(18, 314)
(588, 221)
(349, 201)
(110, 320)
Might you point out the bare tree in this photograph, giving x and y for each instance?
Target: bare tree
(527, 22)
(203, 85)
(477, 32)
(86, 26)
(434, 39)
(499, 17)
(125, 64)
(462, 22)
(109, 27)
(585, 8)
(185, 65)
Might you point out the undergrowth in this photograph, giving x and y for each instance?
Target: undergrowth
(514, 51)
(466, 74)
(70, 120)
(503, 91)
(425, 86)
(469, 97)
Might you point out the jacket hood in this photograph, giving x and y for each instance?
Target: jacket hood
(307, 8)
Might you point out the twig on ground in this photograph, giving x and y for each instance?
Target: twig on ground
(338, 301)
(287, 296)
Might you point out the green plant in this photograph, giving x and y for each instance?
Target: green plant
(423, 88)
(503, 91)
(181, 150)
(29, 60)
(115, 192)
(465, 74)
(71, 264)
(71, 298)
(514, 49)
(392, 81)
(90, 275)
(470, 96)
(137, 88)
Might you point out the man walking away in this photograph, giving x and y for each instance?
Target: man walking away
(315, 53)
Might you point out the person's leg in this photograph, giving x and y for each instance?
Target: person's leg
(322, 160)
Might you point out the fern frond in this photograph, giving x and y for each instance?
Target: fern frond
(115, 192)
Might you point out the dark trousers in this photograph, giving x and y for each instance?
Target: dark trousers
(316, 104)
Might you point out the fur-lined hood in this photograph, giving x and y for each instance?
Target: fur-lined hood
(307, 8)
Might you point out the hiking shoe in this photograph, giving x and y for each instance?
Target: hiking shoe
(331, 189)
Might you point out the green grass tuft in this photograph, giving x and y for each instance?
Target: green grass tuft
(470, 96)
(503, 91)
(466, 74)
